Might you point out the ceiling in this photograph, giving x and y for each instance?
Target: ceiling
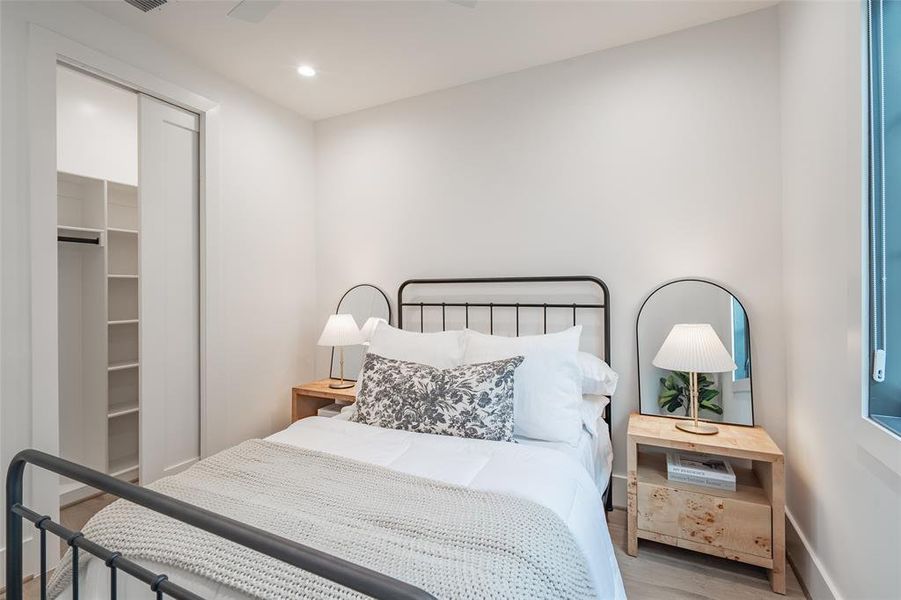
(372, 52)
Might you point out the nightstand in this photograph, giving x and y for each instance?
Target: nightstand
(746, 525)
(307, 399)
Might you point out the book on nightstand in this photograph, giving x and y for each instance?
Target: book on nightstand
(700, 469)
(332, 410)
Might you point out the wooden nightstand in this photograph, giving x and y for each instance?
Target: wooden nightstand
(746, 525)
(308, 398)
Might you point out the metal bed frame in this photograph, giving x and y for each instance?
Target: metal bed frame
(348, 574)
(506, 303)
(343, 572)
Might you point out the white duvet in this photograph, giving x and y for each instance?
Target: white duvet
(557, 480)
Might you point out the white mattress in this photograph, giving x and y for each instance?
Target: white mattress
(556, 478)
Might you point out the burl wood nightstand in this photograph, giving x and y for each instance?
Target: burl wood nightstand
(308, 398)
(746, 525)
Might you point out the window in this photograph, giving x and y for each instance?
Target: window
(884, 91)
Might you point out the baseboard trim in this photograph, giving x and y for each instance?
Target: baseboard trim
(619, 491)
(807, 565)
(27, 554)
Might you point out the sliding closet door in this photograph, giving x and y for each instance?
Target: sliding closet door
(170, 289)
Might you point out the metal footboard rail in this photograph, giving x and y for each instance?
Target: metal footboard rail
(348, 574)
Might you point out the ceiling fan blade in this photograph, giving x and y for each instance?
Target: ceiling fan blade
(253, 11)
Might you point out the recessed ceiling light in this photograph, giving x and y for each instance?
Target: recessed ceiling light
(306, 71)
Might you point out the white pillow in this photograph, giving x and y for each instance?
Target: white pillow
(547, 386)
(597, 376)
(442, 350)
(592, 408)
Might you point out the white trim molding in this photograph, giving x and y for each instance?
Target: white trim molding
(46, 49)
(807, 566)
(879, 442)
(620, 483)
(28, 550)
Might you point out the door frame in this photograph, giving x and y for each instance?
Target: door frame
(47, 49)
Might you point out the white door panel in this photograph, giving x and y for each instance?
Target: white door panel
(170, 298)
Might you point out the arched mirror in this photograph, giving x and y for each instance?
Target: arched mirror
(363, 301)
(723, 397)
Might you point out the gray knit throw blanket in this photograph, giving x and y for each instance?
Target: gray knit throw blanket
(451, 541)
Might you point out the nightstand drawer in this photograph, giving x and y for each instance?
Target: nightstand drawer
(738, 522)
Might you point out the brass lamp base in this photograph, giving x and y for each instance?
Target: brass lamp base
(697, 428)
(341, 385)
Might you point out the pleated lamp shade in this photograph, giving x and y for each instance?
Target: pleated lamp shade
(340, 330)
(694, 348)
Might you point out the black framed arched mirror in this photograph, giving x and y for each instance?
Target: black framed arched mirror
(363, 301)
(724, 397)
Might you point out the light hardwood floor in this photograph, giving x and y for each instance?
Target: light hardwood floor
(659, 572)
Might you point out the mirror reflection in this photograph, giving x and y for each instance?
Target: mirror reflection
(724, 397)
(363, 301)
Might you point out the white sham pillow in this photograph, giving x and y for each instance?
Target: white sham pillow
(597, 376)
(547, 386)
(592, 409)
(442, 350)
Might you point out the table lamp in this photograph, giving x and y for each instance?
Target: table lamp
(694, 348)
(368, 328)
(340, 331)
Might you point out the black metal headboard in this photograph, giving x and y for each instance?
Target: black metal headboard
(505, 302)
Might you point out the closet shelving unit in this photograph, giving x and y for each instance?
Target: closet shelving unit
(99, 327)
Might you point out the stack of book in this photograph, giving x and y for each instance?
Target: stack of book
(700, 469)
(332, 410)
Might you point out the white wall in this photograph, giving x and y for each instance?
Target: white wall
(266, 266)
(638, 164)
(841, 498)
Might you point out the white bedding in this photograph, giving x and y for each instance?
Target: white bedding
(595, 454)
(594, 450)
(556, 479)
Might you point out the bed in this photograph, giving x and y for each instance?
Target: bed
(565, 485)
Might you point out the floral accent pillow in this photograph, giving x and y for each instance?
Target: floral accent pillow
(471, 401)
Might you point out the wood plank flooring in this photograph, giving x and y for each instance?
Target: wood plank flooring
(659, 572)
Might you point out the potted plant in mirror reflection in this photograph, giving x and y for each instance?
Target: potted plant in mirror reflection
(675, 393)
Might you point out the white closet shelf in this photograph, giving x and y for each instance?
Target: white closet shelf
(122, 411)
(123, 322)
(81, 233)
(122, 365)
(122, 230)
(76, 230)
(121, 276)
(120, 467)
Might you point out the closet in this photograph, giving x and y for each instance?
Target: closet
(128, 282)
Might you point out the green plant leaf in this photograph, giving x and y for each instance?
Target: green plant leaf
(707, 395)
(715, 408)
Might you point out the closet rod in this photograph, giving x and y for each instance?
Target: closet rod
(77, 240)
